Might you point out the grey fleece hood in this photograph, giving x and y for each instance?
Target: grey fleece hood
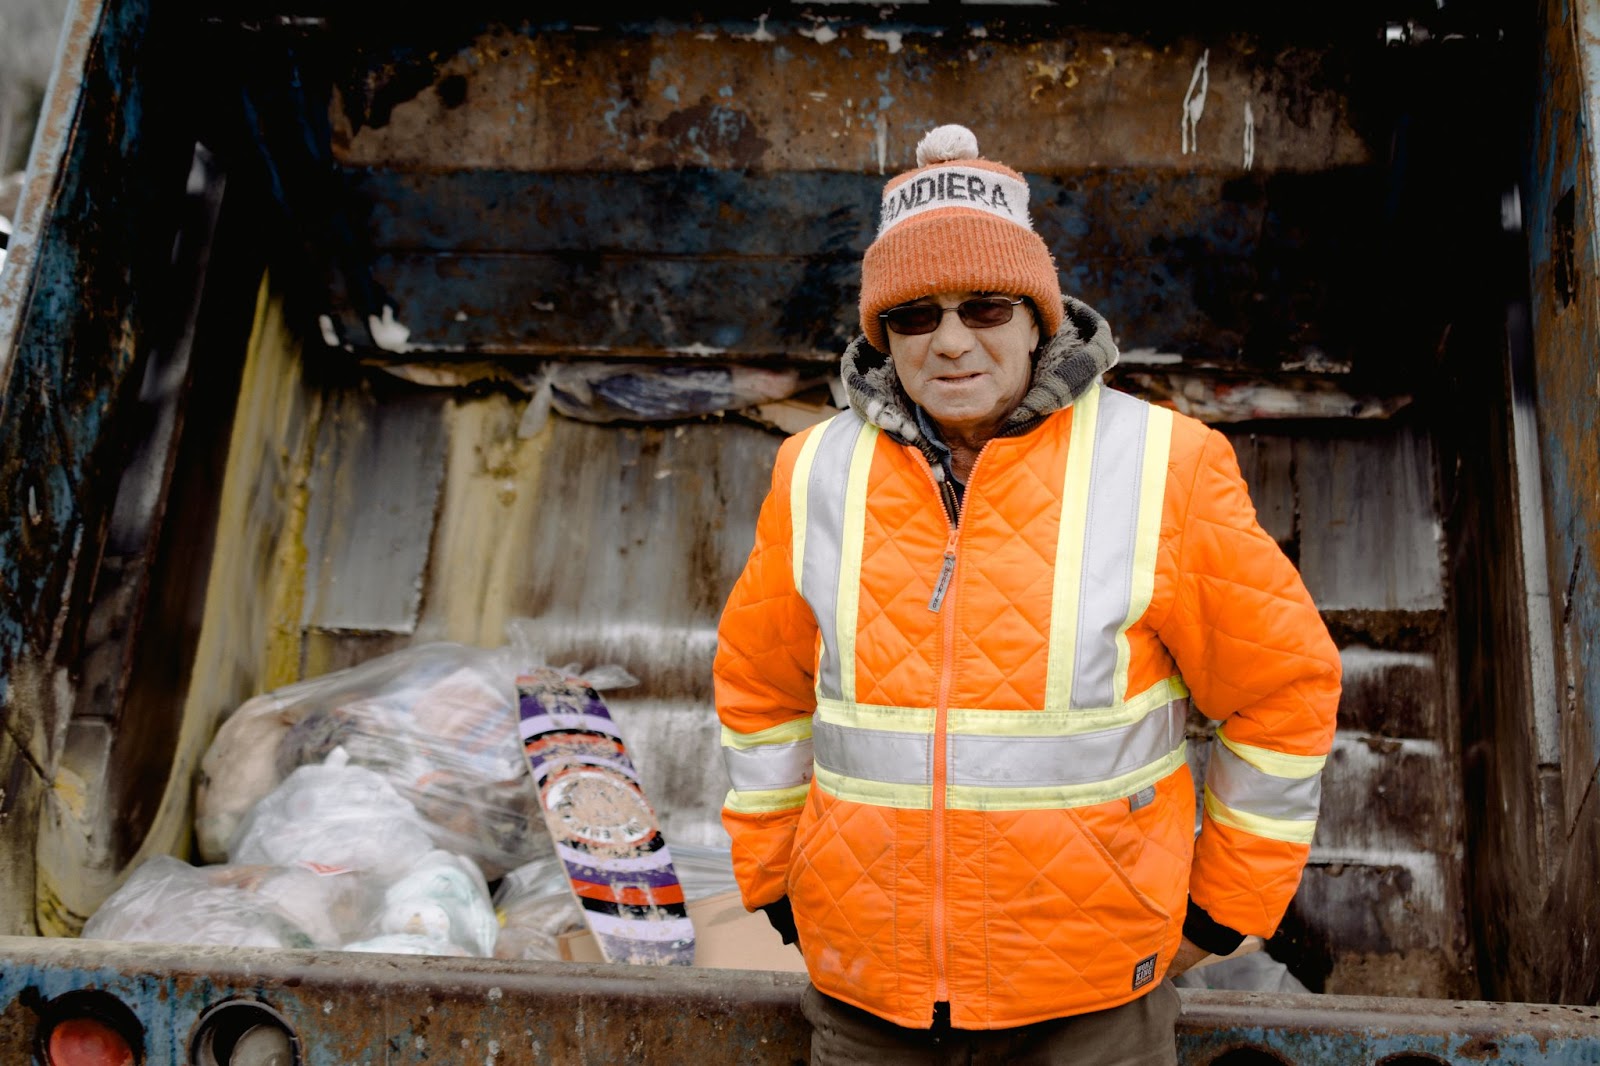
(1067, 365)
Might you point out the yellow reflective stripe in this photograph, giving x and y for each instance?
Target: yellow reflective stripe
(1069, 553)
(874, 716)
(976, 798)
(1276, 763)
(778, 799)
(874, 793)
(798, 487)
(787, 733)
(1147, 541)
(1064, 723)
(855, 531)
(1291, 831)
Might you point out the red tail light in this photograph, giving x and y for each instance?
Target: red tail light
(87, 1042)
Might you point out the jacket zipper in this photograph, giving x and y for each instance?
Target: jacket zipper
(939, 602)
(947, 669)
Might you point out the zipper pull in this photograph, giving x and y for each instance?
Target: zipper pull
(945, 572)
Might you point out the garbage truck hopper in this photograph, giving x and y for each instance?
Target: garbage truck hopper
(326, 331)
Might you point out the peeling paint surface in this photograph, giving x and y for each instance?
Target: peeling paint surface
(1562, 217)
(1194, 104)
(76, 304)
(345, 1008)
(534, 97)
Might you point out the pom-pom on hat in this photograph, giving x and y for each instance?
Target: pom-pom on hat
(957, 223)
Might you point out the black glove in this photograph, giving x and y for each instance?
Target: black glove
(781, 915)
(1206, 932)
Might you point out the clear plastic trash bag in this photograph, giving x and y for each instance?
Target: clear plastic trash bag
(168, 901)
(334, 817)
(443, 899)
(437, 721)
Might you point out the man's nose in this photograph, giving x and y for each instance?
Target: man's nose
(953, 338)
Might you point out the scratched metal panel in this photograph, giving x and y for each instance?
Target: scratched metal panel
(688, 211)
(1369, 536)
(1562, 235)
(848, 93)
(1210, 266)
(594, 304)
(1267, 464)
(1213, 193)
(25, 789)
(636, 541)
(1382, 794)
(374, 492)
(347, 1008)
(93, 236)
(1381, 904)
(1560, 185)
(1393, 693)
(40, 481)
(1370, 923)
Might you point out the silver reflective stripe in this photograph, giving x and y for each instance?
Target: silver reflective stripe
(1111, 524)
(1001, 761)
(825, 503)
(768, 766)
(1078, 759)
(1246, 789)
(874, 754)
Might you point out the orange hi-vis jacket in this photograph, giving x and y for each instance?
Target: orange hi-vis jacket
(959, 748)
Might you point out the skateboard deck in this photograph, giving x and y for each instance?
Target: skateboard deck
(604, 828)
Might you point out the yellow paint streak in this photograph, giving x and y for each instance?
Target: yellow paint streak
(491, 492)
(286, 590)
(1063, 73)
(250, 635)
(249, 639)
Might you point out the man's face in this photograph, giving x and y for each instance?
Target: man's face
(967, 379)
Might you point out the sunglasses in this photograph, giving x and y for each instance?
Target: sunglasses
(980, 312)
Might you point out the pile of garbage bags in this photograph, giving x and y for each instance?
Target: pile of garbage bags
(334, 857)
(371, 810)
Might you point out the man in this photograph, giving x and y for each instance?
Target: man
(954, 676)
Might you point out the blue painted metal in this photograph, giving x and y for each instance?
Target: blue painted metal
(398, 1010)
(89, 239)
(23, 395)
(1221, 269)
(1563, 225)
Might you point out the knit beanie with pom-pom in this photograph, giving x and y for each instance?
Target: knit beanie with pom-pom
(957, 223)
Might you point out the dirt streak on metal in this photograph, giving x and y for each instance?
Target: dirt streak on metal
(789, 97)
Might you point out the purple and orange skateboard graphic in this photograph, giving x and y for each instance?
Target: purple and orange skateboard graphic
(604, 828)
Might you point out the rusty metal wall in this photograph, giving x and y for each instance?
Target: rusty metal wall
(1381, 905)
(81, 305)
(695, 189)
(1548, 934)
(347, 1009)
(703, 188)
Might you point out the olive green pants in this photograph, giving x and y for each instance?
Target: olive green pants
(1139, 1033)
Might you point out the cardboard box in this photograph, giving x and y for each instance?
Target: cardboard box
(726, 936)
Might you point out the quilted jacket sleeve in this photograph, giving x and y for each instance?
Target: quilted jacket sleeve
(765, 663)
(1258, 659)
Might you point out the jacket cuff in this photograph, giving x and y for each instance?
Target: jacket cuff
(1209, 933)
